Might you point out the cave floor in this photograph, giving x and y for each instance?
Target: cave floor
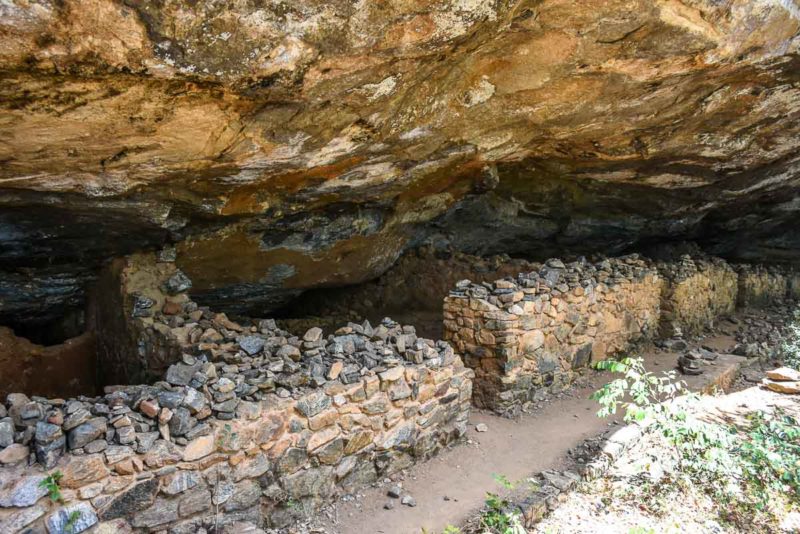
(452, 486)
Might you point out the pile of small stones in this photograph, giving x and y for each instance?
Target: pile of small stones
(249, 364)
(555, 278)
(762, 332)
(687, 266)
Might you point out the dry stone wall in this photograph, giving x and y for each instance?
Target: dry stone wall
(760, 286)
(251, 423)
(244, 421)
(696, 291)
(525, 335)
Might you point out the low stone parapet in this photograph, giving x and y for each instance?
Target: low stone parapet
(271, 460)
(525, 335)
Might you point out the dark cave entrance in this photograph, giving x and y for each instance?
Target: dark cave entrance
(411, 292)
(55, 358)
(69, 324)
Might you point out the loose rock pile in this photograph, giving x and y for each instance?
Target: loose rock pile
(525, 335)
(760, 333)
(254, 364)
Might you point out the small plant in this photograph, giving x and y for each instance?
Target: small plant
(648, 393)
(50, 483)
(72, 521)
(702, 448)
(503, 481)
(747, 468)
(450, 529)
(227, 437)
(497, 519)
(770, 452)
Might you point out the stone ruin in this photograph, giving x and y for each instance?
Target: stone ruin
(695, 292)
(240, 420)
(412, 290)
(528, 335)
(760, 285)
(247, 422)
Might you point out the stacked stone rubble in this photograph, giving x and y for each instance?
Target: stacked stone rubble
(525, 335)
(243, 421)
(696, 291)
(250, 424)
(414, 286)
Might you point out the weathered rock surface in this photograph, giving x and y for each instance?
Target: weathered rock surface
(307, 144)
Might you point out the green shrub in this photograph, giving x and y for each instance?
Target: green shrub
(770, 455)
(50, 483)
(751, 466)
(497, 518)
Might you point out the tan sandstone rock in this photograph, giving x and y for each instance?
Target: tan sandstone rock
(784, 374)
(782, 387)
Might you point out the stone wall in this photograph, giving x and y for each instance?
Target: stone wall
(761, 286)
(696, 291)
(135, 308)
(250, 424)
(525, 335)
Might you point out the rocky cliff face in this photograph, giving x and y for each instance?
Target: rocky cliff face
(290, 145)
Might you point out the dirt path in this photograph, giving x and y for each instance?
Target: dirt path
(451, 486)
(464, 474)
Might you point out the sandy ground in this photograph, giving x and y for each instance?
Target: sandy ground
(452, 486)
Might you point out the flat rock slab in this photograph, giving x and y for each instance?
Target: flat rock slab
(782, 386)
(719, 373)
(784, 374)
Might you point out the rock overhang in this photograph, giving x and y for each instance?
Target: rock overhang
(317, 142)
